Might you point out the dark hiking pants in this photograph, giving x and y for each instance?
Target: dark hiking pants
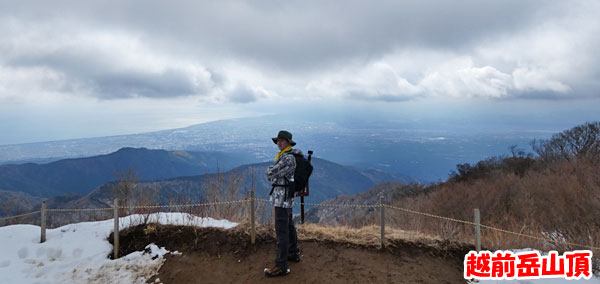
(287, 239)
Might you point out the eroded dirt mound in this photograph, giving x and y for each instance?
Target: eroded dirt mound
(185, 239)
(226, 256)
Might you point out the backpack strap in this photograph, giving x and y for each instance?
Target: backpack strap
(286, 185)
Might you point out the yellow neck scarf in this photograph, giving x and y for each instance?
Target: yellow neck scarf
(281, 152)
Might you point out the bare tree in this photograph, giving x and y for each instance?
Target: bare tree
(224, 188)
(8, 206)
(123, 189)
(582, 141)
(143, 197)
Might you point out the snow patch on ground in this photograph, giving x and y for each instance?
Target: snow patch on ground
(78, 253)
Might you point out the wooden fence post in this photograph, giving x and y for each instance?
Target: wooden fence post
(43, 222)
(382, 222)
(252, 219)
(477, 230)
(116, 231)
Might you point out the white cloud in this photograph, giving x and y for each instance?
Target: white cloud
(558, 55)
(209, 60)
(377, 80)
(455, 77)
(231, 52)
(98, 63)
(528, 79)
(460, 78)
(555, 57)
(30, 85)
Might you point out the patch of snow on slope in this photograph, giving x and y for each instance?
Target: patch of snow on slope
(78, 253)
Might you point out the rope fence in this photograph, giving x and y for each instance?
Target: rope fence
(19, 216)
(251, 202)
(79, 210)
(492, 228)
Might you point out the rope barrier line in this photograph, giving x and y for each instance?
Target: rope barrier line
(79, 210)
(185, 205)
(207, 204)
(443, 218)
(148, 206)
(18, 216)
(431, 215)
(492, 228)
(339, 205)
(305, 203)
(327, 205)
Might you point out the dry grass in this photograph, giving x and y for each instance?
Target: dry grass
(396, 241)
(368, 236)
(559, 202)
(365, 236)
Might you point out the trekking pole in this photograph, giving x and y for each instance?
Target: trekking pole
(252, 222)
(382, 224)
(310, 152)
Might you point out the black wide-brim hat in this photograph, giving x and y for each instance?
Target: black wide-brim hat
(286, 135)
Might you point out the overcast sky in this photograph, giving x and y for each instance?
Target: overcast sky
(72, 69)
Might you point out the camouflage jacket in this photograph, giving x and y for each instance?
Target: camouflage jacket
(278, 173)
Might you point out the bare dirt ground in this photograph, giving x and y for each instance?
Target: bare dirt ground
(226, 256)
(322, 263)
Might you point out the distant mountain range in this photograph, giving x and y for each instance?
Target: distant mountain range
(424, 151)
(334, 184)
(81, 175)
(329, 180)
(175, 176)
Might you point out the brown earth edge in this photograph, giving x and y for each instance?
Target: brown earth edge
(212, 255)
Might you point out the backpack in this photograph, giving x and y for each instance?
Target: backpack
(301, 174)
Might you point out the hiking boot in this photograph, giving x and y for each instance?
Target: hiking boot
(295, 257)
(276, 271)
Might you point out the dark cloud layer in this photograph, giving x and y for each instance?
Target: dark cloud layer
(122, 49)
(296, 34)
(164, 84)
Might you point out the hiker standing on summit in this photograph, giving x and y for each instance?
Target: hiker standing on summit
(281, 174)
